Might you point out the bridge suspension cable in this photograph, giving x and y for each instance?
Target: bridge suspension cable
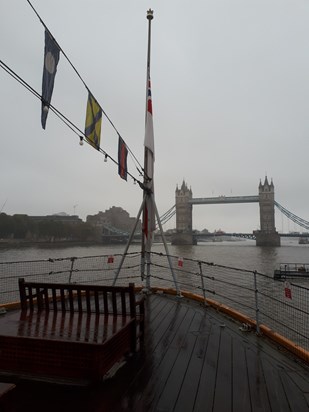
(114, 230)
(299, 221)
(167, 215)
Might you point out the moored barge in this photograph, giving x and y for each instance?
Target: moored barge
(292, 270)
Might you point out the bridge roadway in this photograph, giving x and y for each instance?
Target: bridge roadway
(247, 235)
(220, 234)
(223, 200)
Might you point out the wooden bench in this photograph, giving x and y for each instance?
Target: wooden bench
(70, 331)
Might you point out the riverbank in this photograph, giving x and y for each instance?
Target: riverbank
(20, 243)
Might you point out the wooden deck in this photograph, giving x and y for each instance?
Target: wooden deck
(194, 360)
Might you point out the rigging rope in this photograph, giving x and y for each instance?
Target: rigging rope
(86, 86)
(60, 115)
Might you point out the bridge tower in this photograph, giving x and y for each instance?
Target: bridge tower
(267, 235)
(183, 235)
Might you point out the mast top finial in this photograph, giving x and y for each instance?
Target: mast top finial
(149, 14)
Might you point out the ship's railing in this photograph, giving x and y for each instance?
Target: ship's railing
(88, 269)
(283, 307)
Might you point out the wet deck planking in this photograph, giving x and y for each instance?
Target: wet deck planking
(194, 360)
(205, 363)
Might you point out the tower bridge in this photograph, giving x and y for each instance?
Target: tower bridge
(266, 236)
(221, 200)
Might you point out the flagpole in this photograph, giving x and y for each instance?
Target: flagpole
(145, 254)
(147, 189)
(149, 18)
(148, 206)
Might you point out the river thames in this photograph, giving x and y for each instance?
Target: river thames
(229, 286)
(240, 254)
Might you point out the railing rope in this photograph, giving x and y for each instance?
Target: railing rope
(203, 282)
(72, 268)
(257, 309)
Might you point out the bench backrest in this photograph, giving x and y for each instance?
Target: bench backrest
(117, 300)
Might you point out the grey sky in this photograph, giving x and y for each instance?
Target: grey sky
(230, 87)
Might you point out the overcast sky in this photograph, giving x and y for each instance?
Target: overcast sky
(230, 87)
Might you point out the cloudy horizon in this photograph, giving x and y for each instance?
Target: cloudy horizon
(230, 105)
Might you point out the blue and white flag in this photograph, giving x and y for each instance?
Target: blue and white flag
(51, 58)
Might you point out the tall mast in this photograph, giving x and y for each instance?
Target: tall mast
(148, 207)
(146, 160)
(148, 144)
(148, 210)
(149, 18)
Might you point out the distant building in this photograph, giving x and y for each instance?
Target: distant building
(115, 217)
(74, 219)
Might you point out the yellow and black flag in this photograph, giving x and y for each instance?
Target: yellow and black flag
(93, 122)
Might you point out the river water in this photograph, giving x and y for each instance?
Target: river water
(240, 254)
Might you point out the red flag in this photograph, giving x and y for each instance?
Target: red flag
(287, 290)
(122, 159)
(149, 135)
(149, 211)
